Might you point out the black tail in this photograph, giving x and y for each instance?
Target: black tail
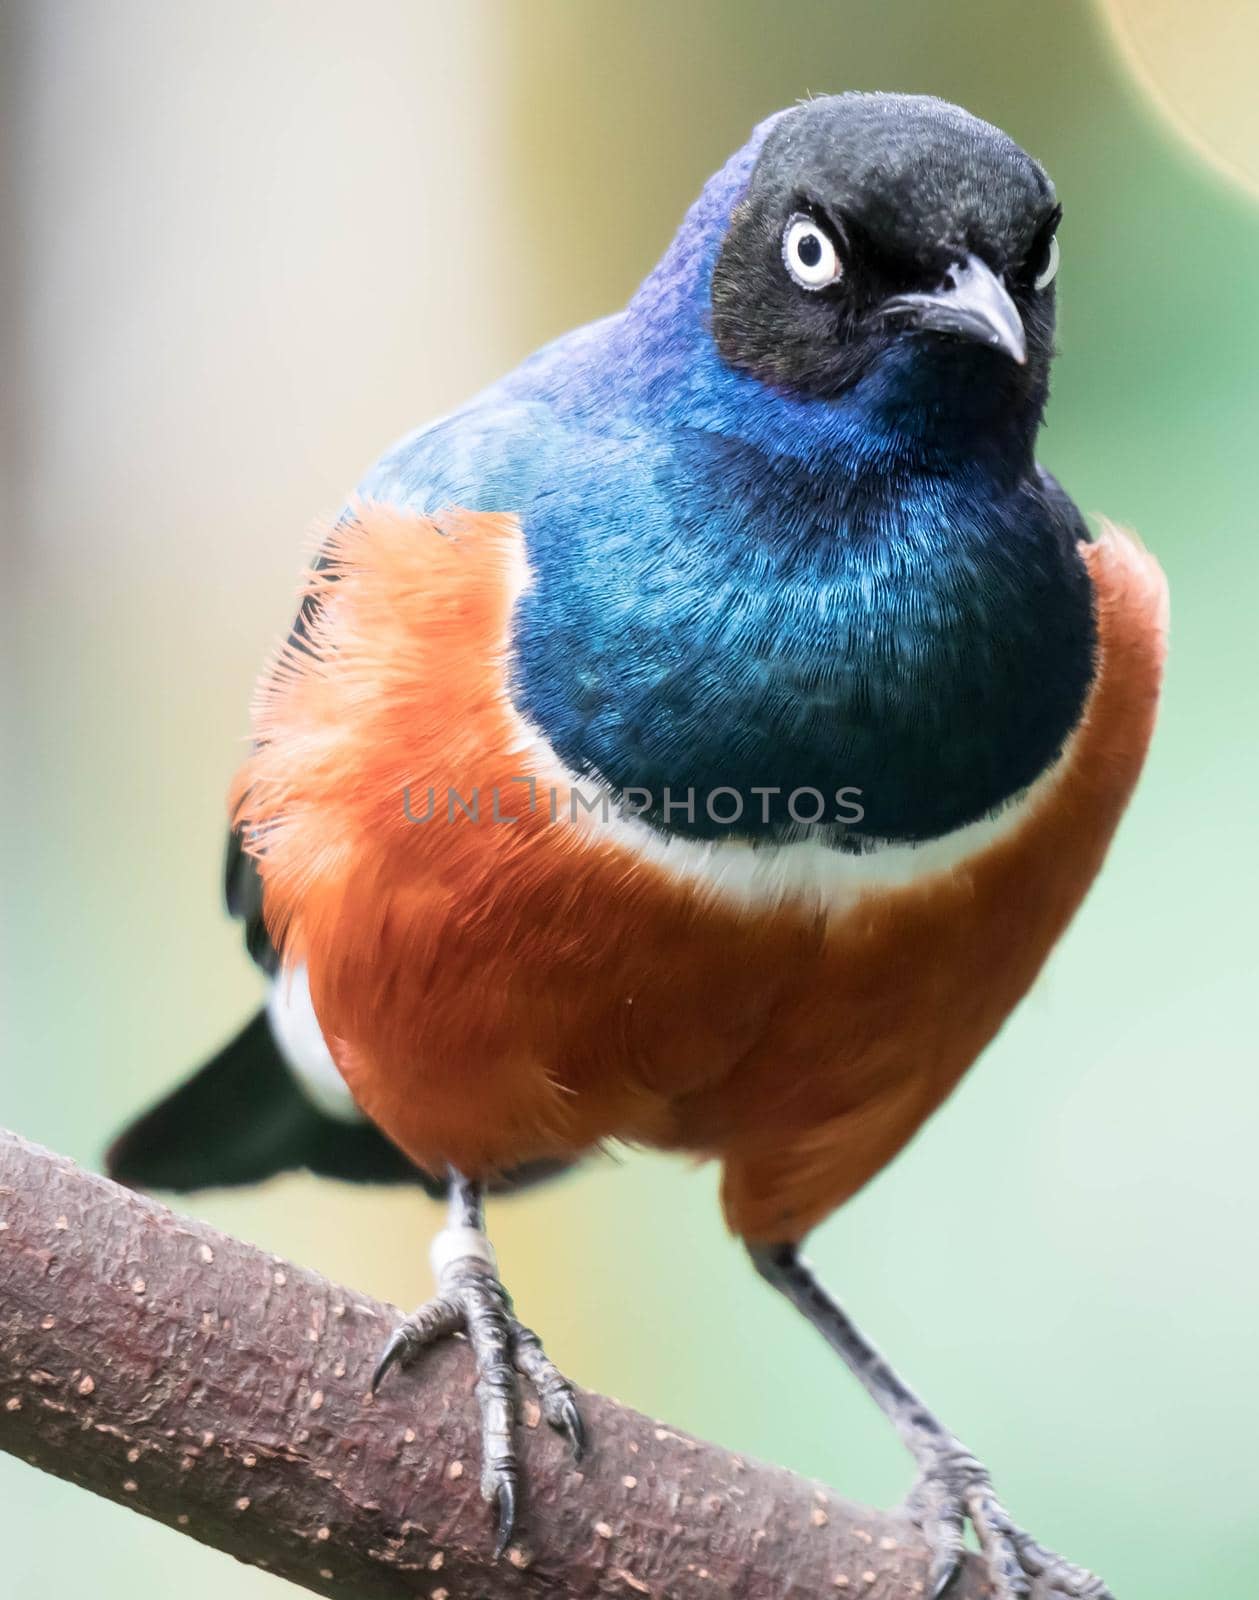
(243, 1118)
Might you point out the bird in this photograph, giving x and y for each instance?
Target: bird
(697, 740)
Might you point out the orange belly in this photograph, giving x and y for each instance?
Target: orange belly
(496, 991)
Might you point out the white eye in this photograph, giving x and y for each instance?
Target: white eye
(810, 257)
(1049, 271)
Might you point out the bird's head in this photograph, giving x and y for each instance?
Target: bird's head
(894, 242)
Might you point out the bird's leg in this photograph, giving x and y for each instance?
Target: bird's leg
(952, 1486)
(471, 1300)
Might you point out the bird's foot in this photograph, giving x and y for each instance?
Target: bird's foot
(471, 1300)
(953, 1489)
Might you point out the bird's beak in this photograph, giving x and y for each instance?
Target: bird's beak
(973, 304)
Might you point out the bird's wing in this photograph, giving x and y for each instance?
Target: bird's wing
(491, 457)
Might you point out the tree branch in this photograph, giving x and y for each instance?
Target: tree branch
(223, 1392)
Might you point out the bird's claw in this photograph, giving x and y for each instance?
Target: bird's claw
(474, 1302)
(431, 1322)
(559, 1405)
(954, 1490)
(571, 1426)
(399, 1350)
(505, 1499)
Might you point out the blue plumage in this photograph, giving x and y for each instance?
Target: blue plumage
(738, 584)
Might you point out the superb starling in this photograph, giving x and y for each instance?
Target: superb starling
(699, 739)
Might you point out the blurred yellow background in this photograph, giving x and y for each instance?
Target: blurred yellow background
(247, 246)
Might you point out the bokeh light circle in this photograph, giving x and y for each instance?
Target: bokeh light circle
(1197, 60)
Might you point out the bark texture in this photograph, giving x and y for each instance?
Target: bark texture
(223, 1392)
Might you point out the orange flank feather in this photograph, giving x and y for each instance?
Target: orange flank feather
(500, 991)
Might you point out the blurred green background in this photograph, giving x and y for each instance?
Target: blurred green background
(245, 249)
